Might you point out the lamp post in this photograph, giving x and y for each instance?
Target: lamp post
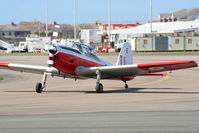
(46, 32)
(74, 18)
(109, 19)
(151, 16)
(144, 21)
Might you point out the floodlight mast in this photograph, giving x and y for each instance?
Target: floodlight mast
(151, 16)
(46, 18)
(109, 19)
(74, 18)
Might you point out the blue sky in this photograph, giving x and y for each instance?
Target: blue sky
(123, 11)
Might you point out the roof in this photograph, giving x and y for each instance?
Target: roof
(13, 27)
(183, 14)
(165, 15)
(160, 27)
(122, 25)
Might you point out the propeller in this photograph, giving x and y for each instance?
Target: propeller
(52, 51)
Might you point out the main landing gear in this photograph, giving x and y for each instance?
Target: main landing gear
(40, 86)
(99, 86)
(126, 85)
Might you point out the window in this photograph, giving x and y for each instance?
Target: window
(189, 41)
(177, 41)
(145, 41)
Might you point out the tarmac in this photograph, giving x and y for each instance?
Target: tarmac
(151, 104)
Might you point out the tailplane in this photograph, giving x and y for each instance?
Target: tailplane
(125, 57)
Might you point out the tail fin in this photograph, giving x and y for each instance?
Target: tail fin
(125, 57)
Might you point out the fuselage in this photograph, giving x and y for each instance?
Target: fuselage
(67, 60)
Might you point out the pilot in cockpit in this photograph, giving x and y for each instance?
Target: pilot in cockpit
(84, 49)
(77, 46)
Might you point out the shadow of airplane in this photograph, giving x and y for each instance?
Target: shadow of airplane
(130, 90)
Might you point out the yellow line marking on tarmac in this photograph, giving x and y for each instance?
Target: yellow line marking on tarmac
(152, 82)
(167, 77)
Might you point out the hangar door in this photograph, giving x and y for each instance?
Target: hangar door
(161, 43)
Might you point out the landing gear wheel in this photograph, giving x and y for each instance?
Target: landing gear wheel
(99, 88)
(126, 86)
(39, 88)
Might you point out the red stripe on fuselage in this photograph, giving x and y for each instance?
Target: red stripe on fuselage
(68, 63)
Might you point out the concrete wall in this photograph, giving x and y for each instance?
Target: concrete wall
(85, 36)
(144, 44)
(133, 43)
(173, 44)
(192, 43)
(176, 43)
(90, 36)
(94, 37)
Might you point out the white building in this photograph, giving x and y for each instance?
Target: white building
(159, 27)
(89, 36)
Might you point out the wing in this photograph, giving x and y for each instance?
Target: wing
(108, 72)
(33, 69)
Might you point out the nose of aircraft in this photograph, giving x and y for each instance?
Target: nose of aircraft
(53, 50)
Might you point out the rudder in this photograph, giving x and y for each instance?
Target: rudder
(125, 57)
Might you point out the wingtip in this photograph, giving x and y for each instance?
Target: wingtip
(194, 63)
(3, 64)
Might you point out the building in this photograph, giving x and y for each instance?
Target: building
(165, 36)
(160, 28)
(13, 33)
(118, 26)
(90, 36)
(13, 30)
(180, 15)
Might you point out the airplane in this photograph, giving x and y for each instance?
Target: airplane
(80, 61)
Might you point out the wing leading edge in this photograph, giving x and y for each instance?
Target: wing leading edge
(134, 70)
(33, 69)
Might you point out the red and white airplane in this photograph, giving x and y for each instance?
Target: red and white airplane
(80, 61)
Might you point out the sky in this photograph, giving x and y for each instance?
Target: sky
(61, 11)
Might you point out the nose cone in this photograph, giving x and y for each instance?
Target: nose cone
(53, 50)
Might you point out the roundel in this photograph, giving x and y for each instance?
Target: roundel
(156, 68)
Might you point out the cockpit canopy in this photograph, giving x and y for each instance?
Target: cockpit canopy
(83, 48)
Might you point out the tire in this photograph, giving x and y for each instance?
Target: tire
(99, 88)
(126, 86)
(38, 88)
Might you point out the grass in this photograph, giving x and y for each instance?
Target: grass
(171, 52)
(23, 53)
(116, 53)
(1, 78)
(158, 53)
